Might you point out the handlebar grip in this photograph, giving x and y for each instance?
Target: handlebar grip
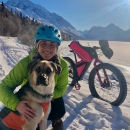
(96, 47)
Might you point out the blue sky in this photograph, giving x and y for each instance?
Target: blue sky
(84, 14)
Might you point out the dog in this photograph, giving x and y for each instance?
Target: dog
(38, 92)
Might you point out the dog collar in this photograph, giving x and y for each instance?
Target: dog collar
(44, 95)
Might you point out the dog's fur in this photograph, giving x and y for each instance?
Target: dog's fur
(39, 89)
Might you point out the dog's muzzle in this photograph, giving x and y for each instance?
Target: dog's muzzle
(43, 80)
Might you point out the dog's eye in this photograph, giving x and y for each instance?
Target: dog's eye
(38, 69)
(48, 71)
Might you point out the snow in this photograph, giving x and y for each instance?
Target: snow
(83, 111)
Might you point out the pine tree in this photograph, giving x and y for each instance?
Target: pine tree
(6, 14)
(20, 15)
(2, 7)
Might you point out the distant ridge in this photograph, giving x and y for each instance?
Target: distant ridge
(27, 8)
(37, 12)
(110, 32)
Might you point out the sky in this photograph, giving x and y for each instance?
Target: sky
(83, 111)
(84, 14)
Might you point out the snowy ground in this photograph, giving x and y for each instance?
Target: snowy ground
(84, 112)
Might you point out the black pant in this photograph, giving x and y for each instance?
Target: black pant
(57, 109)
(2, 126)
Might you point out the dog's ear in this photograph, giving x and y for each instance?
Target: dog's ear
(56, 67)
(32, 64)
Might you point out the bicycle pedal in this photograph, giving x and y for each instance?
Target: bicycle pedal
(77, 86)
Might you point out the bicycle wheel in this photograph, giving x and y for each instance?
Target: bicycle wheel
(114, 90)
(72, 71)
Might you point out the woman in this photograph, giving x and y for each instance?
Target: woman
(47, 39)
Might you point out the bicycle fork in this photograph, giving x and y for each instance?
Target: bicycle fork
(98, 75)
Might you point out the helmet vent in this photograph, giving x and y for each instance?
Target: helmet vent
(55, 30)
(43, 29)
(48, 33)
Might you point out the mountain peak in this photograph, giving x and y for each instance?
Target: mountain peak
(110, 32)
(39, 13)
(111, 25)
(22, 4)
(14, 3)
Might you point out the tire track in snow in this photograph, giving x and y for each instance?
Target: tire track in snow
(13, 54)
(92, 112)
(5, 49)
(2, 72)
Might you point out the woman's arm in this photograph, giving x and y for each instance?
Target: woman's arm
(10, 82)
(61, 81)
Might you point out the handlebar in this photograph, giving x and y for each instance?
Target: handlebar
(96, 47)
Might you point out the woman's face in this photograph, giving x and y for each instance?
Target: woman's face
(47, 49)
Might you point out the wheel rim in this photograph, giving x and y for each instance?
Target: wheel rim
(110, 89)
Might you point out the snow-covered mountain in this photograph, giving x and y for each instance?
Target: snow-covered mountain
(27, 8)
(110, 32)
(83, 32)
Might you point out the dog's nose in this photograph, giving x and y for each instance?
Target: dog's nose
(44, 75)
(42, 80)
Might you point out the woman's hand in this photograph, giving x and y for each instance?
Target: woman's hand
(25, 109)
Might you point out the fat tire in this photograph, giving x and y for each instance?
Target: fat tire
(71, 62)
(123, 85)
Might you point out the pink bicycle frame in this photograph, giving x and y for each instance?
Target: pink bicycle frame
(95, 66)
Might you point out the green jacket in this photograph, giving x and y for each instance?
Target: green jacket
(19, 76)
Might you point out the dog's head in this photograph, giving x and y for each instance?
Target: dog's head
(42, 72)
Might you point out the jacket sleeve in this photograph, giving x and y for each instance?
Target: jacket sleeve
(10, 82)
(61, 80)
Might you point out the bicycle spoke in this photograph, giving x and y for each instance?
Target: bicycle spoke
(110, 92)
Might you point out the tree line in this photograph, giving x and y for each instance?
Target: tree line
(14, 24)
